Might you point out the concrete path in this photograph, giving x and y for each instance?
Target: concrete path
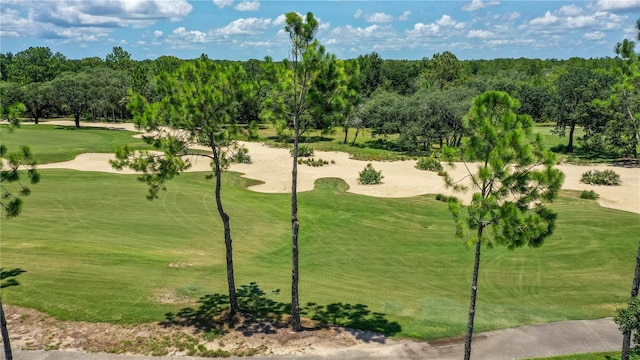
(532, 341)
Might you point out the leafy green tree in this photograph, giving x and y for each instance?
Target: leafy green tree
(577, 89)
(72, 92)
(624, 101)
(198, 106)
(441, 114)
(36, 64)
(400, 76)
(107, 92)
(38, 99)
(370, 73)
(514, 179)
(119, 59)
(445, 70)
(536, 100)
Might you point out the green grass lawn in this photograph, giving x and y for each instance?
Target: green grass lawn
(94, 249)
(585, 356)
(53, 143)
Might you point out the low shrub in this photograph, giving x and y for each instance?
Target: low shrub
(241, 156)
(445, 198)
(314, 163)
(601, 177)
(589, 195)
(429, 163)
(370, 176)
(303, 151)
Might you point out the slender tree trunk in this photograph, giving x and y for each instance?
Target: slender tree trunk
(233, 299)
(572, 129)
(356, 136)
(295, 226)
(346, 133)
(474, 290)
(626, 336)
(5, 334)
(76, 119)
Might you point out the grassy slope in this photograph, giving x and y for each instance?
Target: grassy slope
(94, 249)
(52, 143)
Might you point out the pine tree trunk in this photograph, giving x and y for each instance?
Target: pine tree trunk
(295, 226)
(5, 334)
(626, 336)
(233, 299)
(474, 290)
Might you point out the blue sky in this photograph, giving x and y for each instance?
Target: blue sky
(245, 29)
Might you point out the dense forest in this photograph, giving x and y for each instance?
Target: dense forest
(422, 102)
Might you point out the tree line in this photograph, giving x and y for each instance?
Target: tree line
(423, 102)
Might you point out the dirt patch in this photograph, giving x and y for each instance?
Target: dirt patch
(33, 330)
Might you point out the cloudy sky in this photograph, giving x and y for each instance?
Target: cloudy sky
(245, 29)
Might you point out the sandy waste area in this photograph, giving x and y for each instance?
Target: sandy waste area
(272, 166)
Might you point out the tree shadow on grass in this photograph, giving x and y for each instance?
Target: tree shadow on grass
(259, 314)
(7, 277)
(262, 315)
(357, 316)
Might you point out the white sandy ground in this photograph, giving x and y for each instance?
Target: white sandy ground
(272, 166)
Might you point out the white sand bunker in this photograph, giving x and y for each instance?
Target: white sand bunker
(272, 166)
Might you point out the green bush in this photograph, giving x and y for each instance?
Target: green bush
(598, 177)
(589, 195)
(370, 176)
(303, 151)
(241, 156)
(445, 198)
(313, 162)
(429, 163)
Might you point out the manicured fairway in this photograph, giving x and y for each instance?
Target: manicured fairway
(54, 143)
(94, 249)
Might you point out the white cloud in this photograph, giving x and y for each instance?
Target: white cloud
(595, 35)
(247, 5)
(157, 34)
(193, 36)
(421, 29)
(447, 21)
(479, 4)
(222, 3)
(570, 10)
(379, 18)
(363, 39)
(109, 13)
(480, 34)
(404, 16)
(558, 21)
(547, 20)
(358, 14)
(280, 20)
(249, 26)
(618, 5)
